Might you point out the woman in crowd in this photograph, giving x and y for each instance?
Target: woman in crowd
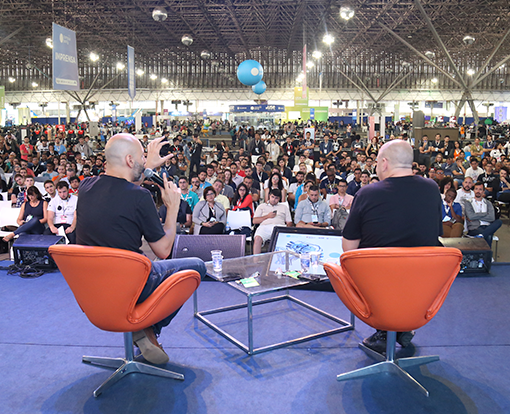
(445, 184)
(438, 162)
(228, 179)
(209, 216)
(275, 181)
(373, 147)
(221, 148)
(242, 199)
(32, 215)
(283, 169)
(456, 149)
(306, 187)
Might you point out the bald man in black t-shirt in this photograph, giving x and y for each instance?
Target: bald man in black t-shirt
(402, 210)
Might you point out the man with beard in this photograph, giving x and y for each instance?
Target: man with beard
(114, 211)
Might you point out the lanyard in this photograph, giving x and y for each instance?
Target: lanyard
(315, 208)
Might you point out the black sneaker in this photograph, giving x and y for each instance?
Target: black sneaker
(376, 342)
(405, 338)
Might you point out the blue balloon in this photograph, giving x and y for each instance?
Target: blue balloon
(259, 88)
(250, 72)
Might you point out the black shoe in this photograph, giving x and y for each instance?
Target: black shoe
(405, 338)
(376, 342)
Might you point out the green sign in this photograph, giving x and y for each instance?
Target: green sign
(2, 97)
(298, 97)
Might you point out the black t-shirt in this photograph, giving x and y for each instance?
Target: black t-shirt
(113, 212)
(184, 208)
(396, 212)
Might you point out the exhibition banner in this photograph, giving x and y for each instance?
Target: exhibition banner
(2, 97)
(65, 59)
(131, 72)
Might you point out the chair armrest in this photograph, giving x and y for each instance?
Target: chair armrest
(347, 290)
(166, 299)
(440, 298)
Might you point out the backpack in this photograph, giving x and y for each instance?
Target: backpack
(339, 218)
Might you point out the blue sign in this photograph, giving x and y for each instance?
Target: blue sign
(256, 108)
(131, 72)
(312, 113)
(65, 59)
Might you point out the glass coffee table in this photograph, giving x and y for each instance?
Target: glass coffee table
(267, 269)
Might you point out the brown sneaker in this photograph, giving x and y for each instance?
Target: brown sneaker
(151, 350)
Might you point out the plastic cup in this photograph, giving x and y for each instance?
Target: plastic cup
(305, 262)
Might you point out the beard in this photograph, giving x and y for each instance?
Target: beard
(138, 170)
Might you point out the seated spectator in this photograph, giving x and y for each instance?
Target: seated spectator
(18, 191)
(62, 212)
(480, 215)
(51, 191)
(341, 198)
(243, 199)
(253, 188)
(220, 198)
(474, 171)
(329, 183)
(292, 192)
(268, 215)
(74, 184)
(490, 181)
(453, 220)
(504, 185)
(365, 178)
(275, 182)
(465, 193)
(209, 216)
(355, 184)
(314, 212)
(32, 215)
(184, 216)
(189, 196)
(306, 188)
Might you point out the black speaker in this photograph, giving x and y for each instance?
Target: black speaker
(476, 253)
(32, 250)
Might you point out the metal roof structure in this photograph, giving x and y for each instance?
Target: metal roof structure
(387, 44)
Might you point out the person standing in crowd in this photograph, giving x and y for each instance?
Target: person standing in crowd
(379, 215)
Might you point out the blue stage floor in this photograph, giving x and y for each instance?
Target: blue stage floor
(44, 334)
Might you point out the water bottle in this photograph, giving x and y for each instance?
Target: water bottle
(305, 262)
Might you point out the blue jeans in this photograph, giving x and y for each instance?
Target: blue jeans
(487, 231)
(162, 270)
(33, 226)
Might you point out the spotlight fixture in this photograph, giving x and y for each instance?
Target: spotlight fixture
(120, 66)
(49, 42)
(164, 80)
(430, 54)
(159, 14)
(140, 72)
(434, 80)
(11, 79)
(35, 84)
(187, 40)
(468, 40)
(310, 64)
(317, 54)
(328, 39)
(470, 72)
(153, 76)
(205, 54)
(94, 57)
(346, 12)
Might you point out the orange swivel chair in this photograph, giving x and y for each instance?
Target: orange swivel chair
(106, 283)
(394, 290)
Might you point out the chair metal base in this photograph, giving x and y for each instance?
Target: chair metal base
(389, 365)
(125, 366)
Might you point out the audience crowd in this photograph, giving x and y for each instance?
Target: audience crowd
(284, 177)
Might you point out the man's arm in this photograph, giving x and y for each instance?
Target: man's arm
(51, 225)
(73, 225)
(350, 244)
(171, 198)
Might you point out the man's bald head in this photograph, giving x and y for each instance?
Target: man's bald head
(398, 153)
(119, 146)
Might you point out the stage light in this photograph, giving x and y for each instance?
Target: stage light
(328, 39)
(120, 66)
(430, 55)
(187, 40)
(11, 79)
(93, 57)
(35, 84)
(164, 80)
(317, 54)
(434, 80)
(159, 14)
(470, 72)
(346, 12)
(153, 76)
(310, 64)
(140, 72)
(49, 42)
(468, 40)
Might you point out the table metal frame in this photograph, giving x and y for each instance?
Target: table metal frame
(346, 326)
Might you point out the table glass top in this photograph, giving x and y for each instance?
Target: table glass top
(267, 268)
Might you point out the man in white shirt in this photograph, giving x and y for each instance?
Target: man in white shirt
(274, 150)
(465, 192)
(480, 216)
(269, 215)
(474, 171)
(62, 212)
